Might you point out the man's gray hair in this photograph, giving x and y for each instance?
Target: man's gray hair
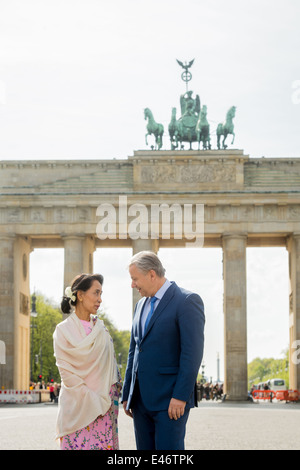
(147, 260)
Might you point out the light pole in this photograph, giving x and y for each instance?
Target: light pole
(33, 314)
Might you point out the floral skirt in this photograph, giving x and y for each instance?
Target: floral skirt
(101, 434)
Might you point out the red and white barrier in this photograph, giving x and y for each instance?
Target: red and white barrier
(280, 395)
(19, 396)
(263, 394)
(288, 395)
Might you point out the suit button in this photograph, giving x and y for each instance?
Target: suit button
(140, 350)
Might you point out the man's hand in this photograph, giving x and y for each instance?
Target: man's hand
(176, 408)
(127, 412)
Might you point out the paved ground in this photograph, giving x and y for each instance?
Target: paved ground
(212, 426)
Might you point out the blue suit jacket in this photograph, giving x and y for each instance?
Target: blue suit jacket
(168, 357)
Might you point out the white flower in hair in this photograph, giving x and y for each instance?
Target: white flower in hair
(69, 294)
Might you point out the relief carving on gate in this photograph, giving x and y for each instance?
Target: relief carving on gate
(192, 174)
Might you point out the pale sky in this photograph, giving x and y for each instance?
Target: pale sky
(75, 77)
(76, 74)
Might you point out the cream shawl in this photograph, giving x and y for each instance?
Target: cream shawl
(87, 368)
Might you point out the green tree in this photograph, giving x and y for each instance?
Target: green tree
(42, 329)
(42, 359)
(262, 370)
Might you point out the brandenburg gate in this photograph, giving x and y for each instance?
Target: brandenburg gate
(248, 202)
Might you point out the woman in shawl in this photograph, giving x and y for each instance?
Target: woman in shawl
(89, 396)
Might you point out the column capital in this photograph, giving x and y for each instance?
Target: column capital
(145, 244)
(73, 236)
(234, 236)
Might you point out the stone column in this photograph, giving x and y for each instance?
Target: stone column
(88, 254)
(73, 257)
(78, 257)
(294, 269)
(79, 251)
(15, 311)
(7, 309)
(22, 308)
(137, 246)
(235, 316)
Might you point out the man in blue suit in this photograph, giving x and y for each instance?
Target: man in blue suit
(165, 354)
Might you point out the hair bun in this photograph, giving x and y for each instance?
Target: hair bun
(65, 305)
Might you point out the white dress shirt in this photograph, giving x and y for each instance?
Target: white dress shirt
(159, 295)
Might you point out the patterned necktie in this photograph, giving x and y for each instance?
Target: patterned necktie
(152, 302)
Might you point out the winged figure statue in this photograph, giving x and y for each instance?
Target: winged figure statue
(185, 66)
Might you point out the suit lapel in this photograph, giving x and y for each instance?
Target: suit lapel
(138, 316)
(161, 306)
